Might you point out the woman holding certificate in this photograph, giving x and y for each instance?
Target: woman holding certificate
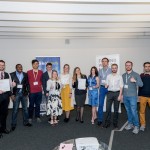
(93, 82)
(66, 92)
(80, 84)
(54, 106)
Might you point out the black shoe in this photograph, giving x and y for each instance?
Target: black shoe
(13, 128)
(49, 119)
(66, 120)
(116, 127)
(81, 121)
(1, 135)
(77, 119)
(99, 123)
(5, 131)
(28, 124)
(106, 125)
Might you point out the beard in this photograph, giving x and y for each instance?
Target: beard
(128, 69)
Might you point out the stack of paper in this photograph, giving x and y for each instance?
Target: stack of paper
(89, 143)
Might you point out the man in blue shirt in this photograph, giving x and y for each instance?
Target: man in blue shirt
(103, 73)
(20, 93)
(132, 81)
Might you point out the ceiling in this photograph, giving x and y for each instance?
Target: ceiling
(75, 19)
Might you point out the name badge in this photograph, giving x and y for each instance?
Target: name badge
(103, 81)
(90, 88)
(35, 83)
(126, 86)
(19, 86)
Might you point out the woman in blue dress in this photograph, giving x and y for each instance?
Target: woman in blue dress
(93, 82)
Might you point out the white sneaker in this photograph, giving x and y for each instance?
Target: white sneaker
(136, 130)
(38, 120)
(30, 121)
(142, 128)
(129, 126)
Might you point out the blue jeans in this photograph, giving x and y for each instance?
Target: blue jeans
(103, 92)
(35, 98)
(23, 99)
(130, 103)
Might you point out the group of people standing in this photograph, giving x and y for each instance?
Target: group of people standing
(58, 93)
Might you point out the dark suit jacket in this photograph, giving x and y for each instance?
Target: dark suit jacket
(25, 84)
(45, 78)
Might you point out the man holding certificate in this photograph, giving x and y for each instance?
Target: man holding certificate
(5, 93)
(80, 83)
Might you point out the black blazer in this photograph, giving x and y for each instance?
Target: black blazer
(25, 83)
(45, 78)
(75, 85)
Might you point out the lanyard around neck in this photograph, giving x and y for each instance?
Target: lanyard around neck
(35, 76)
(104, 74)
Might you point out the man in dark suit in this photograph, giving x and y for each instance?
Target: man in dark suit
(46, 76)
(20, 93)
(4, 99)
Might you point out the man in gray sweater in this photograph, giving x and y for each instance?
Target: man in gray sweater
(132, 81)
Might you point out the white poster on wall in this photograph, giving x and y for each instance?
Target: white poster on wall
(113, 59)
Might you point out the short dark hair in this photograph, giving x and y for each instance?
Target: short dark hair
(129, 62)
(106, 59)
(18, 65)
(48, 64)
(96, 71)
(114, 65)
(34, 60)
(2, 61)
(146, 63)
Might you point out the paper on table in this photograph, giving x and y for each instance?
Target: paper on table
(81, 84)
(4, 85)
(65, 146)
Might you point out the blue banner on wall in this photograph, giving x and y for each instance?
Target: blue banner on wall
(43, 60)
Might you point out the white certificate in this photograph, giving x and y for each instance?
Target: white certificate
(81, 84)
(5, 85)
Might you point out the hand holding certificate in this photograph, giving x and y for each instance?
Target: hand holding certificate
(81, 84)
(4, 85)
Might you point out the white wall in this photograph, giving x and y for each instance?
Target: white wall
(80, 52)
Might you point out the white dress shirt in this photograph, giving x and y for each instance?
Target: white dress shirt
(114, 82)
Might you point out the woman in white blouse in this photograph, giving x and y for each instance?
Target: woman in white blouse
(54, 105)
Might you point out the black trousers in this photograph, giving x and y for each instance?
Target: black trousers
(112, 97)
(4, 102)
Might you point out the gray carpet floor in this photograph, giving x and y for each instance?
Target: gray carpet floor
(42, 136)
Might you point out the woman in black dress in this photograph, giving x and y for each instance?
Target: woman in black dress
(80, 91)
